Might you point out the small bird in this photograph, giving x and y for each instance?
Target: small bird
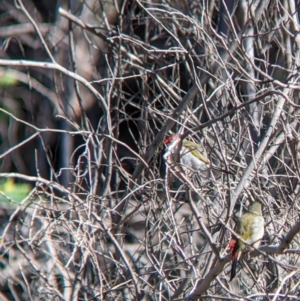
(193, 156)
(251, 229)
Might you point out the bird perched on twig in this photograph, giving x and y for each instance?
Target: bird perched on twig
(250, 229)
(192, 156)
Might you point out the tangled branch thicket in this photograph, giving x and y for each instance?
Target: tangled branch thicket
(95, 92)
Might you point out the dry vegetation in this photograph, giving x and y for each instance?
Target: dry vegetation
(91, 91)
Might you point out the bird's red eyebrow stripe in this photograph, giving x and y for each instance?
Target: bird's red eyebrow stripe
(170, 138)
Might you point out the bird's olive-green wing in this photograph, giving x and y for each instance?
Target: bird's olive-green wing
(244, 228)
(197, 150)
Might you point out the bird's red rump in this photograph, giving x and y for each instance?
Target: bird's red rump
(233, 247)
(232, 244)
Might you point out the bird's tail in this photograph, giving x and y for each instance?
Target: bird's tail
(233, 269)
(233, 247)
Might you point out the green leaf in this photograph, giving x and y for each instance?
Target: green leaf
(7, 79)
(13, 192)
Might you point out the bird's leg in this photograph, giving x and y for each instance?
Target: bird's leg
(246, 252)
